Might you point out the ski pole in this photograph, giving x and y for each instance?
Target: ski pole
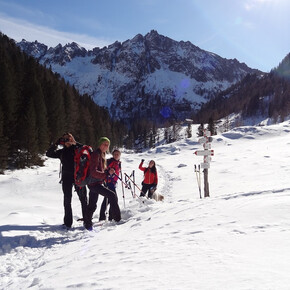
(106, 211)
(131, 189)
(197, 179)
(134, 183)
(128, 185)
(124, 183)
(122, 187)
(136, 186)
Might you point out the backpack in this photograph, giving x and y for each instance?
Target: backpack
(82, 159)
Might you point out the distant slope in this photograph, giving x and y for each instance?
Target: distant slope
(266, 96)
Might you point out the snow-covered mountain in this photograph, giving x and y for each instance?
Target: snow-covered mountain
(148, 76)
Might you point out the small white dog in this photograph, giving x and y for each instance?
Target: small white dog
(157, 196)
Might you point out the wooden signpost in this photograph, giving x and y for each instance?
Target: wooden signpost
(206, 153)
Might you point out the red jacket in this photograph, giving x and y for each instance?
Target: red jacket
(116, 164)
(97, 167)
(149, 177)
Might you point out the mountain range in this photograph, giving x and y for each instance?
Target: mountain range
(152, 76)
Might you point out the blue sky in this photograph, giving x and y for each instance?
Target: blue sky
(256, 32)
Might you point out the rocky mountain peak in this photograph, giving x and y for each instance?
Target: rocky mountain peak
(35, 49)
(143, 75)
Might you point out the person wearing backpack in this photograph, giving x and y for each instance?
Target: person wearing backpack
(66, 156)
(150, 180)
(111, 182)
(99, 173)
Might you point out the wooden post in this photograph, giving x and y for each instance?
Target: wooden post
(206, 184)
(206, 153)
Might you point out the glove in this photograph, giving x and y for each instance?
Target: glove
(142, 160)
(111, 171)
(57, 141)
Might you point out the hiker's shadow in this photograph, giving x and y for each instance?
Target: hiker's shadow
(49, 235)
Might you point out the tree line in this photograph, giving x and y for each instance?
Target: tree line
(267, 96)
(37, 107)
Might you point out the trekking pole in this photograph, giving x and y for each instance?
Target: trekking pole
(106, 211)
(136, 186)
(198, 179)
(122, 188)
(131, 189)
(107, 201)
(128, 185)
(134, 183)
(199, 173)
(124, 183)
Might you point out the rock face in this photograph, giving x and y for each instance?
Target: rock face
(151, 76)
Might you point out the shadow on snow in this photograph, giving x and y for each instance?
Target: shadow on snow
(53, 234)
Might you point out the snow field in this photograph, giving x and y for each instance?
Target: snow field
(236, 239)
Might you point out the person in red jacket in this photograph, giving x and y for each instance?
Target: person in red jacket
(150, 180)
(98, 174)
(111, 182)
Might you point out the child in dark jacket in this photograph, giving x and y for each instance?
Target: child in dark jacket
(66, 156)
(99, 173)
(150, 180)
(111, 182)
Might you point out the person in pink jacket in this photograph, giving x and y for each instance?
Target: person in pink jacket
(98, 174)
(150, 180)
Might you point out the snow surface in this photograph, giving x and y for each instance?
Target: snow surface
(239, 238)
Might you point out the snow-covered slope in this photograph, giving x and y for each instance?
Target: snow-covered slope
(239, 238)
(142, 75)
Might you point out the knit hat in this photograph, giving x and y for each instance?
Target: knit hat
(102, 140)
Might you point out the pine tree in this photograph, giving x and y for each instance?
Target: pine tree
(200, 130)
(189, 130)
(27, 154)
(72, 114)
(32, 88)
(8, 99)
(55, 109)
(227, 124)
(3, 144)
(176, 128)
(212, 127)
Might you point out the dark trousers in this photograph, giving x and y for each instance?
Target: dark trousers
(146, 187)
(67, 185)
(95, 190)
(106, 202)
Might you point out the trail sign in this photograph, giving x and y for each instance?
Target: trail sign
(204, 152)
(205, 139)
(207, 159)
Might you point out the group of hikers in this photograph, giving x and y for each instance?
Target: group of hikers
(103, 175)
